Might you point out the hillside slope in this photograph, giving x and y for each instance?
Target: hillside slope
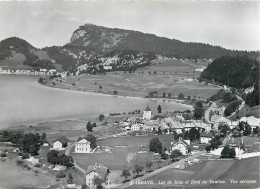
(109, 39)
(240, 72)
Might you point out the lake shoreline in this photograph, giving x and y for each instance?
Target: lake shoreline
(82, 116)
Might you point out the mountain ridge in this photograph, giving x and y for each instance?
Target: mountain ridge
(92, 46)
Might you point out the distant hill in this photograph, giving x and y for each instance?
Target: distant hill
(17, 53)
(240, 72)
(92, 47)
(109, 39)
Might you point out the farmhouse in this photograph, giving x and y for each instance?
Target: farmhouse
(237, 144)
(152, 125)
(222, 120)
(205, 137)
(181, 145)
(96, 171)
(82, 146)
(61, 143)
(108, 67)
(252, 121)
(147, 113)
(136, 127)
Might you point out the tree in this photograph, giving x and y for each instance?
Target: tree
(101, 117)
(198, 110)
(159, 109)
(193, 134)
(138, 169)
(247, 130)
(181, 96)
(43, 137)
(66, 160)
(149, 165)
(100, 87)
(224, 129)
(189, 98)
(70, 179)
(94, 125)
(98, 181)
(164, 94)
(89, 126)
(92, 139)
(155, 146)
(169, 95)
(228, 152)
(125, 173)
(53, 157)
(175, 154)
(215, 142)
(256, 130)
(208, 148)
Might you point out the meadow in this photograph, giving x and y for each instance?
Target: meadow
(169, 76)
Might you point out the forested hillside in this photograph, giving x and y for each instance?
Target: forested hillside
(240, 72)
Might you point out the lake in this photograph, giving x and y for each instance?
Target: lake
(24, 101)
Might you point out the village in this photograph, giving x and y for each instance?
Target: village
(151, 140)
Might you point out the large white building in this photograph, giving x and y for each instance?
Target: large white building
(96, 171)
(181, 145)
(136, 127)
(147, 113)
(60, 144)
(82, 146)
(205, 138)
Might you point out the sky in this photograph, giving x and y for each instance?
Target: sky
(230, 24)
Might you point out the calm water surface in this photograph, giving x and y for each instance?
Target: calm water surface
(23, 100)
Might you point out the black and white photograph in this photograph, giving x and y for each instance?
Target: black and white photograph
(129, 94)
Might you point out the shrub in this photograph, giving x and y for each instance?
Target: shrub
(61, 174)
(25, 156)
(232, 107)
(3, 154)
(19, 162)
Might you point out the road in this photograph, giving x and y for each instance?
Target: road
(158, 171)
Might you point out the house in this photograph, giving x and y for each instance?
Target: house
(174, 124)
(82, 146)
(252, 121)
(237, 144)
(205, 137)
(61, 143)
(181, 145)
(137, 127)
(147, 113)
(152, 125)
(96, 171)
(43, 70)
(108, 67)
(223, 121)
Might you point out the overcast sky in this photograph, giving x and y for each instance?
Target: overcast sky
(232, 25)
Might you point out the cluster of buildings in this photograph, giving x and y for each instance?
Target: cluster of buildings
(166, 124)
(176, 123)
(32, 72)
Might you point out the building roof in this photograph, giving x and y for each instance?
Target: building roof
(181, 141)
(62, 139)
(100, 169)
(82, 140)
(222, 119)
(234, 142)
(252, 121)
(147, 108)
(208, 135)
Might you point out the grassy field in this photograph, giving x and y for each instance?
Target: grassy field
(226, 170)
(172, 76)
(135, 140)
